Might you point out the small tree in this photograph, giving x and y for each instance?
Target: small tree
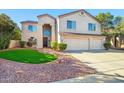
(31, 42)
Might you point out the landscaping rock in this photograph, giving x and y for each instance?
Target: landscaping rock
(63, 68)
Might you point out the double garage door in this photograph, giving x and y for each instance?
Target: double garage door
(84, 44)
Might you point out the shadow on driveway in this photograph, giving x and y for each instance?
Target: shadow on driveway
(96, 78)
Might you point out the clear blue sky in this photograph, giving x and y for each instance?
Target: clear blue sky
(19, 15)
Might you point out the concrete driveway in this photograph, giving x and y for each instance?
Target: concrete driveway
(109, 64)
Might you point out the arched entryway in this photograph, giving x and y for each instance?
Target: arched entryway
(46, 35)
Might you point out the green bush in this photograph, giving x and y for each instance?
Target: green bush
(22, 44)
(62, 46)
(54, 45)
(107, 45)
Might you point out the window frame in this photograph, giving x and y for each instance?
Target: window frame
(91, 26)
(71, 24)
(32, 28)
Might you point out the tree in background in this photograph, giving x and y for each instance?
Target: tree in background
(7, 30)
(16, 34)
(119, 29)
(119, 32)
(106, 20)
(117, 20)
(112, 27)
(109, 22)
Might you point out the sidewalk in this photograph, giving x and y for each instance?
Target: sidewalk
(96, 78)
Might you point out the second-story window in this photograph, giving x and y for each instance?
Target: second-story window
(71, 24)
(91, 27)
(32, 28)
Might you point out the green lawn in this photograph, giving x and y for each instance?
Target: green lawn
(27, 56)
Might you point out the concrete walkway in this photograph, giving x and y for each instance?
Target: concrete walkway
(109, 64)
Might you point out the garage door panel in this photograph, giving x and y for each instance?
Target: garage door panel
(83, 44)
(95, 44)
(76, 44)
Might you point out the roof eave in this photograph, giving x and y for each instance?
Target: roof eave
(46, 15)
(81, 10)
(22, 22)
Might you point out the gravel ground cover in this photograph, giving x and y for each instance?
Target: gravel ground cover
(63, 68)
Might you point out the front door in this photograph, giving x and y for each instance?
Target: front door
(45, 41)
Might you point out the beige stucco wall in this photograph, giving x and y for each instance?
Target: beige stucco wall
(81, 23)
(47, 20)
(39, 33)
(26, 34)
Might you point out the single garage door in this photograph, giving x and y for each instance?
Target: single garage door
(77, 44)
(95, 44)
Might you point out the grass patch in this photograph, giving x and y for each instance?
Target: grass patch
(27, 56)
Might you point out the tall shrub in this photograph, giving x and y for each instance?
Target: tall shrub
(54, 45)
(22, 44)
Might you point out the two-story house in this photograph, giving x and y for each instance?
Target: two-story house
(79, 29)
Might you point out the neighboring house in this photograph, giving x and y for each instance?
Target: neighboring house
(79, 29)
